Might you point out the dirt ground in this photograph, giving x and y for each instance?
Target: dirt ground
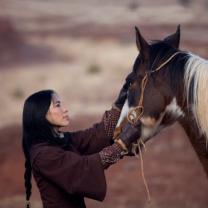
(84, 50)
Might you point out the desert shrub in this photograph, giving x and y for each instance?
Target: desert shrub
(93, 69)
(18, 93)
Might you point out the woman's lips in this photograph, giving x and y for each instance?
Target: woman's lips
(66, 117)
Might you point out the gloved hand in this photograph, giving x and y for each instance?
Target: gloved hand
(130, 134)
(123, 92)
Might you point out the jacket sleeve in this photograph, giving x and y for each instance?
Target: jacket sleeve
(83, 175)
(94, 139)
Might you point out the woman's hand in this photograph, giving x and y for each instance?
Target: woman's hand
(130, 134)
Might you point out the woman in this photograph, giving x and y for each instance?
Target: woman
(68, 166)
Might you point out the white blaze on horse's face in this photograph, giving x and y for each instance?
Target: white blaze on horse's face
(151, 126)
(124, 112)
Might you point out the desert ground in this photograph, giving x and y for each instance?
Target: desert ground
(83, 50)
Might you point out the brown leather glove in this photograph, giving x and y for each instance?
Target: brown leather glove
(130, 134)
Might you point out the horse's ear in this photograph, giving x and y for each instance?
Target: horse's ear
(142, 45)
(174, 39)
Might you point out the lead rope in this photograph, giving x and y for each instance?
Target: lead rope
(142, 169)
(133, 116)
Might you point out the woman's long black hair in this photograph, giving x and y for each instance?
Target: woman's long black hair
(36, 129)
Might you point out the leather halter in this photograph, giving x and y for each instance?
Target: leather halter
(136, 113)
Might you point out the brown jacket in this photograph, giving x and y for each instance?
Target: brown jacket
(65, 177)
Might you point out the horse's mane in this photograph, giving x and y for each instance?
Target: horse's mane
(196, 80)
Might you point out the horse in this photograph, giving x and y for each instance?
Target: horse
(168, 85)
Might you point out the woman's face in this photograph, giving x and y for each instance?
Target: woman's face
(57, 114)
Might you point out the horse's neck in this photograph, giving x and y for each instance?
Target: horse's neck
(198, 142)
(189, 124)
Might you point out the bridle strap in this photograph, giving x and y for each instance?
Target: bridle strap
(169, 59)
(136, 113)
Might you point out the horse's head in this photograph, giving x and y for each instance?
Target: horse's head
(152, 98)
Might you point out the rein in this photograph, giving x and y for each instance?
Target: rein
(136, 113)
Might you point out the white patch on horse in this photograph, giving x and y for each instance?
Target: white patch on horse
(150, 130)
(174, 109)
(154, 126)
(124, 113)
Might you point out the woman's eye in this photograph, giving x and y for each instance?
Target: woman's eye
(58, 105)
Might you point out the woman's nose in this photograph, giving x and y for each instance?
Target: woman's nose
(65, 110)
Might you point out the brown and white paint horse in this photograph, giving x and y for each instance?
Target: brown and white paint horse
(169, 85)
